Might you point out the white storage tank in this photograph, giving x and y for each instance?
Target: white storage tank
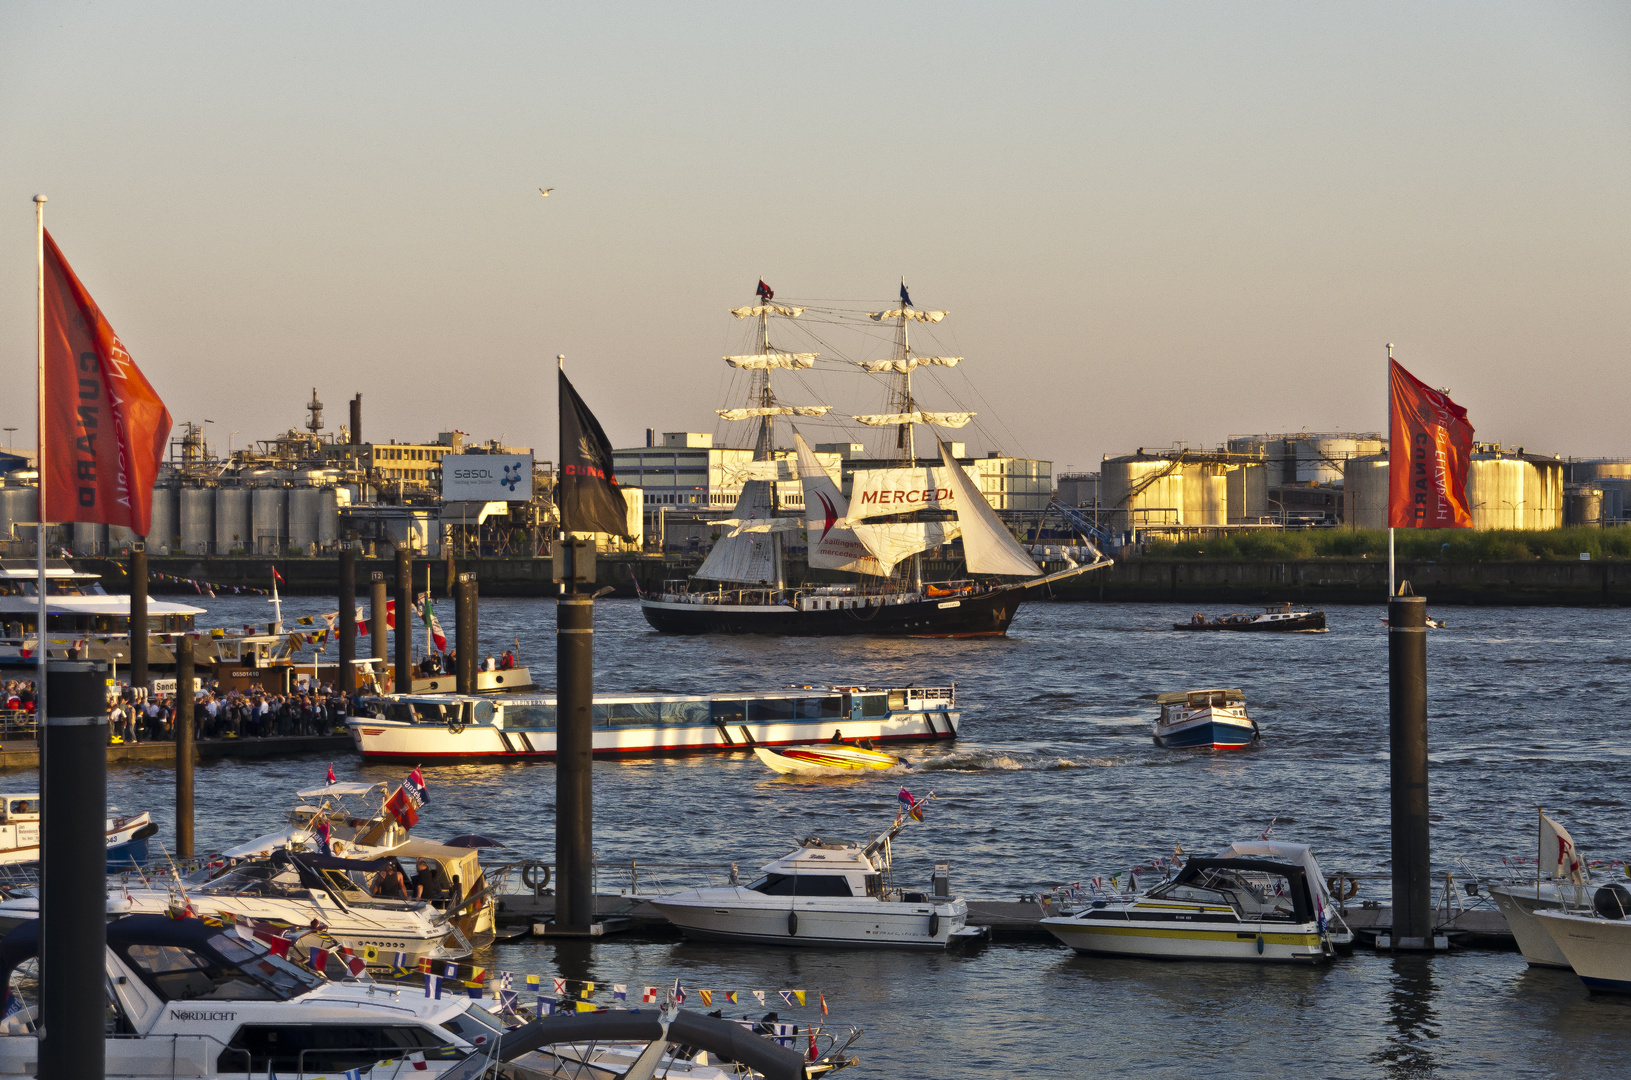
(88, 538)
(304, 504)
(1583, 505)
(1248, 493)
(1318, 459)
(1364, 492)
(1206, 494)
(1505, 491)
(232, 521)
(268, 517)
(328, 519)
(16, 506)
(164, 531)
(197, 510)
(120, 538)
(1160, 491)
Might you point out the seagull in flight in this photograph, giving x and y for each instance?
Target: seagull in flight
(544, 191)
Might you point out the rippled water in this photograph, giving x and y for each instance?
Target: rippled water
(1056, 779)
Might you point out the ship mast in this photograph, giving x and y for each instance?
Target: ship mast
(764, 444)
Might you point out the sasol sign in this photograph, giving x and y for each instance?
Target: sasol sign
(486, 478)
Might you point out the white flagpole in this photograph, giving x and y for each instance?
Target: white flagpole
(39, 465)
(1392, 586)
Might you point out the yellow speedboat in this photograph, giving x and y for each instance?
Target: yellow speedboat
(798, 759)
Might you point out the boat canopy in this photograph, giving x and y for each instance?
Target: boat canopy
(340, 789)
(1300, 854)
(1178, 696)
(1294, 873)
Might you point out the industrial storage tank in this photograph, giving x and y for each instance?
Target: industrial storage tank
(1364, 492)
(1206, 494)
(1248, 494)
(1159, 487)
(1589, 472)
(1318, 459)
(88, 538)
(1249, 446)
(232, 521)
(16, 506)
(120, 539)
(304, 504)
(1583, 505)
(197, 512)
(328, 519)
(268, 517)
(164, 531)
(1510, 491)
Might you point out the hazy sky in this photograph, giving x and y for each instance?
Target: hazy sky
(1151, 222)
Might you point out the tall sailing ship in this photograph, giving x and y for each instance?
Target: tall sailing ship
(878, 535)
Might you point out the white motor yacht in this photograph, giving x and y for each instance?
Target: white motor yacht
(1566, 886)
(825, 893)
(1261, 901)
(358, 823)
(1596, 942)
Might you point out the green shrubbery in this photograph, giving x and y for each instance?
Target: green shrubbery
(1444, 545)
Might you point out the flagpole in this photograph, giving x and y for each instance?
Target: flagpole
(39, 462)
(1391, 585)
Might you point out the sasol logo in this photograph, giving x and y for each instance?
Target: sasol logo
(512, 475)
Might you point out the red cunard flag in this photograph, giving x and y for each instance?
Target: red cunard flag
(104, 428)
(1429, 447)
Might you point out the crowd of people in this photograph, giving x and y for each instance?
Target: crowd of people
(448, 663)
(235, 714)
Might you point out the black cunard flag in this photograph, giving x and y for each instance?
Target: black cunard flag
(589, 498)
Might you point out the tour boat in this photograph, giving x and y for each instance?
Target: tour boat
(20, 834)
(864, 535)
(1214, 719)
(824, 893)
(1281, 618)
(1597, 944)
(185, 998)
(1261, 902)
(817, 759)
(79, 615)
(431, 728)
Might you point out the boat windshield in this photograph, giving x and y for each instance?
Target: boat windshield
(235, 973)
(803, 885)
(475, 1025)
(1255, 895)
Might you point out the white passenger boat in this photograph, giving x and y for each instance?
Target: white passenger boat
(428, 728)
(1260, 901)
(825, 893)
(1596, 943)
(1205, 719)
(20, 833)
(79, 613)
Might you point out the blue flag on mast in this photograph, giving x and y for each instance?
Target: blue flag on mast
(905, 298)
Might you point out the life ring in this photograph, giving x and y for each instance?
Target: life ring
(1334, 885)
(934, 924)
(535, 876)
(792, 924)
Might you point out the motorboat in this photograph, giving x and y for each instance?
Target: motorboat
(1565, 886)
(295, 889)
(20, 833)
(355, 813)
(454, 727)
(1596, 943)
(1280, 618)
(1205, 719)
(185, 998)
(1261, 901)
(820, 759)
(825, 893)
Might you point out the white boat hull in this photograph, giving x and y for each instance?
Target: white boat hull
(1518, 904)
(738, 914)
(1252, 942)
(1599, 950)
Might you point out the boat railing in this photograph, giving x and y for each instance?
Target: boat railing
(17, 724)
(354, 1058)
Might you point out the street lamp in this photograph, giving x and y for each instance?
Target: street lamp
(9, 439)
(1282, 507)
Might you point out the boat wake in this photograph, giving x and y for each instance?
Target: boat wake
(988, 760)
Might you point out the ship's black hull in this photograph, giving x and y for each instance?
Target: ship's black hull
(986, 615)
(1314, 620)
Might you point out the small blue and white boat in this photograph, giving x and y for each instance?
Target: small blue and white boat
(1205, 719)
(20, 834)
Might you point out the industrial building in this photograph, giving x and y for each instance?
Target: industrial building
(1506, 489)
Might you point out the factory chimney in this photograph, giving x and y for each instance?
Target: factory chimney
(356, 420)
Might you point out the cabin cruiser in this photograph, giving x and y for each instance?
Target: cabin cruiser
(825, 893)
(20, 833)
(452, 727)
(1565, 887)
(354, 812)
(1281, 618)
(1205, 719)
(1596, 942)
(1261, 901)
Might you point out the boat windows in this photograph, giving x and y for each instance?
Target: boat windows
(802, 885)
(874, 705)
(177, 973)
(685, 712)
(1256, 896)
(475, 1026)
(430, 712)
(529, 716)
(303, 1049)
(823, 708)
(772, 710)
(728, 711)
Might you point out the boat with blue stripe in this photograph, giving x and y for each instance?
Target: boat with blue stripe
(1205, 719)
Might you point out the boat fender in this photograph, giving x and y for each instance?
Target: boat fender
(1259, 944)
(535, 876)
(792, 924)
(1335, 882)
(934, 924)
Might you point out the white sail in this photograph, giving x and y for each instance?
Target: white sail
(754, 311)
(791, 361)
(732, 473)
(745, 556)
(918, 416)
(876, 492)
(910, 313)
(901, 367)
(775, 410)
(895, 541)
(988, 546)
(738, 526)
(831, 546)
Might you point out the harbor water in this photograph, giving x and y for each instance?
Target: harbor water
(1054, 780)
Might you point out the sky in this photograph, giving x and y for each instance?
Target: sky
(1150, 223)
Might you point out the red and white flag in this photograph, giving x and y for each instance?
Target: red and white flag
(1429, 449)
(1558, 856)
(104, 428)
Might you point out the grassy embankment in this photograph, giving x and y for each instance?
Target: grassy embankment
(1436, 545)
